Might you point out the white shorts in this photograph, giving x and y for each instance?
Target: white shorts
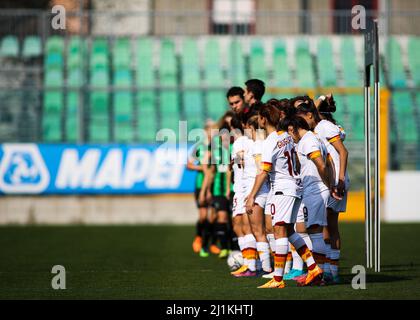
(315, 208)
(261, 197)
(338, 205)
(300, 217)
(238, 206)
(267, 208)
(283, 209)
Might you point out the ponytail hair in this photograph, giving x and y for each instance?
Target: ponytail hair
(271, 114)
(308, 106)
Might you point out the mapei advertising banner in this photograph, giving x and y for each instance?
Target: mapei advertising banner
(93, 169)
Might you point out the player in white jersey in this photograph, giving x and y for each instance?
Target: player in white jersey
(331, 135)
(246, 240)
(252, 167)
(278, 163)
(317, 179)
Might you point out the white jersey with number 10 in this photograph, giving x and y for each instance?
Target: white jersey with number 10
(279, 160)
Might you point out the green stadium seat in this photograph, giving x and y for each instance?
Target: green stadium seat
(257, 65)
(194, 108)
(414, 59)
(396, 73)
(356, 117)
(99, 53)
(405, 117)
(122, 53)
(169, 104)
(122, 78)
(357, 131)
(123, 107)
(190, 63)
(167, 70)
(326, 69)
(54, 60)
(216, 104)
(169, 110)
(356, 104)
(72, 117)
(53, 78)
(341, 109)
(51, 128)
(146, 101)
(145, 72)
(171, 123)
(281, 70)
(54, 44)
(236, 60)
(9, 47)
(53, 102)
(351, 74)
(99, 130)
(124, 132)
(32, 47)
(417, 103)
(75, 53)
(403, 104)
(147, 126)
(99, 104)
(123, 117)
(304, 66)
(99, 78)
(408, 130)
(212, 67)
(75, 77)
(147, 116)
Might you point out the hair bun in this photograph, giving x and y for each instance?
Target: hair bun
(328, 105)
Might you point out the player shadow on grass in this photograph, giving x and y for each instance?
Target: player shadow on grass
(346, 279)
(400, 267)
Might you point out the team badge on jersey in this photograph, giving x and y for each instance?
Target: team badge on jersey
(22, 169)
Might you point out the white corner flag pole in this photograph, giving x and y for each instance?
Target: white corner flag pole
(368, 182)
(372, 217)
(377, 196)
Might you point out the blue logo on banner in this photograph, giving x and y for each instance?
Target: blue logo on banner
(22, 169)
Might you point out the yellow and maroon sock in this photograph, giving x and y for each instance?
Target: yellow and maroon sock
(250, 244)
(282, 247)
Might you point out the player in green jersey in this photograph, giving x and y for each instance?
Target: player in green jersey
(199, 161)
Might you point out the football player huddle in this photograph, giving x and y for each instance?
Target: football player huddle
(272, 180)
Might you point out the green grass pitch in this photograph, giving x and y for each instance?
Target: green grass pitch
(157, 262)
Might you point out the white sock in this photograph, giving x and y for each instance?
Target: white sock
(307, 240)
(251, 247)
(302, 249)
(319, 248)
(297, 260)
(272, 241)
(263, 249)
(282, 246)
(241, 244)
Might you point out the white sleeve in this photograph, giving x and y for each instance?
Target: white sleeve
(237, 147)
(267, 151)
(308, 146)
(257, 148)
(330, 130)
